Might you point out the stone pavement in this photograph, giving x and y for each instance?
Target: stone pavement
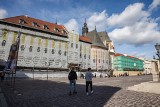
(150, 87)
(108, 92)
(3, 102)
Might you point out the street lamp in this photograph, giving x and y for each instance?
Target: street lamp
(157, 46)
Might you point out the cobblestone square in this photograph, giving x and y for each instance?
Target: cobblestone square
(108, 92)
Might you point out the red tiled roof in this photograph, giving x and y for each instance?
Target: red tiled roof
(85, 39)
(29, 23)
(118, 54)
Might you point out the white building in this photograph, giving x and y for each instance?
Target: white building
(44, 45)
(147, 66)
(99, 48)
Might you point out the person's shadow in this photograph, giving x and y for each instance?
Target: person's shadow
(43, 93)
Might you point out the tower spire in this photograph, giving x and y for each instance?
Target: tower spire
(84, 28)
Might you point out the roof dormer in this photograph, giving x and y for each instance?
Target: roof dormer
(35, 24)
(45, 27)
(56, 30)
(21, 21)
(64, 32)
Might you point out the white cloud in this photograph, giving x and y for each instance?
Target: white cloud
(23, 2)
(72, 25)
(138, 54)
(129, 16)
(99, 20)
(137, 34)
(134, 26)
(154, 5)
(3, 13)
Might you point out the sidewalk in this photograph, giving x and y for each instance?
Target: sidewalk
(150, 87)
(3, 102)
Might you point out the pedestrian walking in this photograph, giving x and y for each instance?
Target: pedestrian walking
(88, 77)
(72, 76)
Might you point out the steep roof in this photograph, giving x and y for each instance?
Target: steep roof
(95, 39)
(104, 36)
(41, 25)
(118, 54)
(85, 39)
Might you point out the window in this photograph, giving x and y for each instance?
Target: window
(30, 48)
(22, 47)
(65, 53)
(99, 61)
(89, 56)
(34, 24)
(85, 56)
(45, 50)
(63, 31)
(38, 49)
(45, 27)
(93, 60)
(59, 52)
(76, 45)
(80, 55)
(53, 51)
(71, 45)
(3, 42)
(21, 21)
(56, 30)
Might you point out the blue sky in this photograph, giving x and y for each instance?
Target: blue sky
(133, 25)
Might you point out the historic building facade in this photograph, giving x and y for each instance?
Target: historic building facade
(147, 64)
(42, 44)
(110, 45)
(127, 64)
(102, 49)
(45, 45)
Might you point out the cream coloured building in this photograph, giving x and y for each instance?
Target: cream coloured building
(44, 45)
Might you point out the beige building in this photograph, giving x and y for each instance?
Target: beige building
(44, 45)
(102, 49)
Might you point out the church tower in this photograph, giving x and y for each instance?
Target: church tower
(84, 28)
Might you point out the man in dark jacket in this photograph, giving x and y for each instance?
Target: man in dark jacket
(72, 80)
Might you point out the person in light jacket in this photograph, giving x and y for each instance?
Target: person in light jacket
(88, 77)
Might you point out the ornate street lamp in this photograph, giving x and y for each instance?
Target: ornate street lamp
(157, 46)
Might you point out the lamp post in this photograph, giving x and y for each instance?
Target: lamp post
(157, 46)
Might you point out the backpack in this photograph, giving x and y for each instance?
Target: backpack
(71, 75)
